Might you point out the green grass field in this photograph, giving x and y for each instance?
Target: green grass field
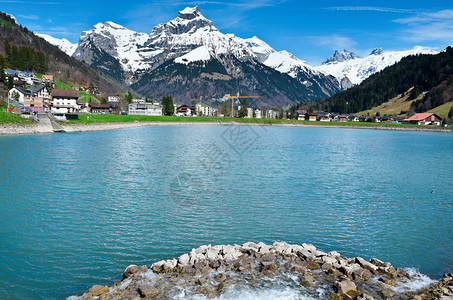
(61, 85)
(85, 118)
(12, 118)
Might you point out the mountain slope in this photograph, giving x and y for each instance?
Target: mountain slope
(210, 78)
(428, 74)
(54, 61)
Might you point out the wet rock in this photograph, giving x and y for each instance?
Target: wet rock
(201, 281)
(148, 291)
(306, 280)
(365, 297)
(367, 265)
(346, 287)
(361, 274)
(132, 269)
(379, 263)
(268, 266)
(97, 290)
(334, 254)
(208, 270)
(220, 277)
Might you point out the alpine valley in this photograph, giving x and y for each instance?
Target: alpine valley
(190, 58)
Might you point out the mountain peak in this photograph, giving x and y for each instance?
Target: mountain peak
(376, 51)
(337, 57)
(190, 13)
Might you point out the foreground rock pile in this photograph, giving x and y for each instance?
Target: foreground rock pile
(212, 271)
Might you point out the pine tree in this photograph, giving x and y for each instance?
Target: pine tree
(450, 113)
(243, 112)
(168, 107)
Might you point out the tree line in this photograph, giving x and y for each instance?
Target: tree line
(24, 58)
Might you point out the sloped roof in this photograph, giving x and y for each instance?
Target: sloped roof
(36, 88)
(23, 91)
(65, 93)
(420, 117)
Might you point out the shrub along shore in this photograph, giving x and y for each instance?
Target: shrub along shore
(213, 271)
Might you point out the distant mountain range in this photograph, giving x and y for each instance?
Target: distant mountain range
(189, 58)
(426, 81)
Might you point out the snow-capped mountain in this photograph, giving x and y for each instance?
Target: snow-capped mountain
(358, 69)
(337, 57)
(128, 56)
(64, 45)
(115, 40)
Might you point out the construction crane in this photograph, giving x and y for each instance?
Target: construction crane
(238, 97)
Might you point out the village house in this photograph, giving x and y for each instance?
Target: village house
(183, 110)
(64, 101)
(99, 108)
(272, 114)
(254, 113)
(47, 79)
(424, 119)
(145, 108)
(204, 110)
(113, 99)
(323, 117)
(18, 94)
(82, 106)
(310, 117)
(300, 115)
(39, 98)
(353, 119)
(29, 77)
(343, 118)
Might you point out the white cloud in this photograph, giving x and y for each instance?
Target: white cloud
(29, 17)
(334, 42)
(429, 26)
(372, 8)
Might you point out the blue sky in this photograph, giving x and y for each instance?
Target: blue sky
(311, 30)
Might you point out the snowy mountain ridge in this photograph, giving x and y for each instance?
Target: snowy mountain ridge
(191, 37)
(358, 69)
(64, 45)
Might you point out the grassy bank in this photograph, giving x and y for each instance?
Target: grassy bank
(12, 118)
(89, 119)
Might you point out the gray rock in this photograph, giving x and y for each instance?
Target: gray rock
(309, 247)
(132, 269)
(184, 260)
(377, 262)
(346, 287)
(366, 265)
(212, 254)
(148, 291)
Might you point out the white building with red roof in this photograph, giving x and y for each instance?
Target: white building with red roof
(424, 119)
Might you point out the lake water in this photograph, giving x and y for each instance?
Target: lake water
(76, 209)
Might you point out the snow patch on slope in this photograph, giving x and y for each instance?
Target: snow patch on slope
(63, 44)
(199, 54)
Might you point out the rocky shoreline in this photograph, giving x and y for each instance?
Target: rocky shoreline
(17, 129)
(270, 271)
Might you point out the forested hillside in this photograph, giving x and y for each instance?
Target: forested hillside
(21, 49)
(428, 74)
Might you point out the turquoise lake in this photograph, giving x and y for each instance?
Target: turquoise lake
(77, 209)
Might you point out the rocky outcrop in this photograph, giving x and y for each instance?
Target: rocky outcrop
(211, 271)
